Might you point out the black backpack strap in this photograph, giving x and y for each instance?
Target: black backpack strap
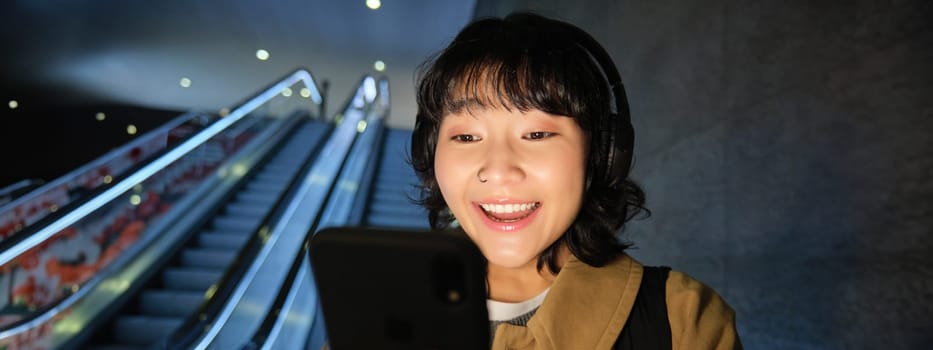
(647, 326)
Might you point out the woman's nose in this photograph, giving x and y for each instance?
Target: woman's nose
(502, 165)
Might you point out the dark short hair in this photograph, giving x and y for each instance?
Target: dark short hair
(526, 61)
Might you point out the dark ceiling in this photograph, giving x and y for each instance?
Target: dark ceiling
(63, 61)
(137, 51)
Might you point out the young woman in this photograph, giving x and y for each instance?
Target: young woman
(523, 139)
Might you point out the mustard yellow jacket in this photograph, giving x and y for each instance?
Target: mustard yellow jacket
(587, 307)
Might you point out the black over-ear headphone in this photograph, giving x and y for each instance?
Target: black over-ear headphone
(615, 132)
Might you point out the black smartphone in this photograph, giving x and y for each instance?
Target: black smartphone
(398, 289)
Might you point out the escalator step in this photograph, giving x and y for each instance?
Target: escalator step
(395, 189)
(396, 160)
(168, 303)
(258, 197)
(375, 219)
(391, 179)
(397, 197)
(235, 223)
(394, 208)
(395, 164)
(245, 209)
(193, 279)
(144, 330)
(281, 165)
(267, 186)
(222, 240)
(272, 176)
(396, 179)
(210, 258)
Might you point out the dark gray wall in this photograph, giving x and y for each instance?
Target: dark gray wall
(786, 150)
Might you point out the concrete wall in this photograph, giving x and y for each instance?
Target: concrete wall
(786, 150)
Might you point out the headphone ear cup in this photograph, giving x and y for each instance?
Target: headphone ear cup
(610, 152)
(621, 159)
(617, 155)
(616, 132)
(616, 142)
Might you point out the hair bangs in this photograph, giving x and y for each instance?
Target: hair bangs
(473, 74)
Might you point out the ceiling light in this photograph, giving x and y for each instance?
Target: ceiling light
(184, 82)
(13, 104)
(287, 92)
(262, 55)
(100, 116)
(373, 4)
(131, 129)
(305, 92)
(379, 66)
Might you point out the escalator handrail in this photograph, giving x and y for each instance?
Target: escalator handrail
(90, 167)
(316, 93)
(18, 189)
(116, 152)
(363, 193)
(146, 171)
(338, 211)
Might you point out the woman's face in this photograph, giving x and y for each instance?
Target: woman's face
(513, 180)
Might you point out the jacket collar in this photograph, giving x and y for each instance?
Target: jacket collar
(585, 308)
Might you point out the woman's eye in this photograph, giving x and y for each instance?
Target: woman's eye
(538, 135)
(465, 138)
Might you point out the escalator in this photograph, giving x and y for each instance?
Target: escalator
(257, 291)
(205, 266)
(180, 217)
(394, 187)
(180, 287)
(376, 188)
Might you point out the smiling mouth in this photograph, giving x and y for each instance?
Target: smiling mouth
(509, 213)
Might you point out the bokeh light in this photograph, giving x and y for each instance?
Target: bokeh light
(262, 55)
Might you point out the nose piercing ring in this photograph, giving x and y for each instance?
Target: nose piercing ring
(478, 177)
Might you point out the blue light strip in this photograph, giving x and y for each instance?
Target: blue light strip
(153, 167)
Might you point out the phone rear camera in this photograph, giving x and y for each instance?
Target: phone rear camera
(449, 282)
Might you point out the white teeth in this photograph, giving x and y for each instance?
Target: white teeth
(508, 208)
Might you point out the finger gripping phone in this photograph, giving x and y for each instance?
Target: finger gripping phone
(397, 289)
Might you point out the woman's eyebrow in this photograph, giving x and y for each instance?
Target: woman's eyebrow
(471, 103)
